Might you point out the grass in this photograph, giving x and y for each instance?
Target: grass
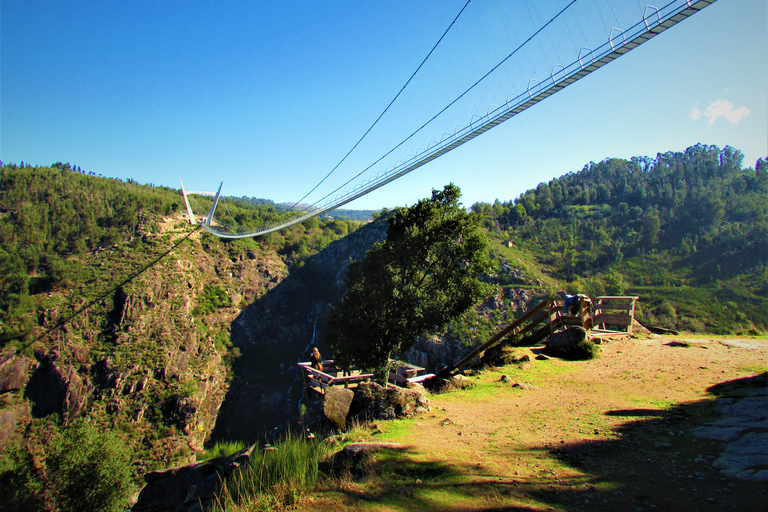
(277, 477)
(221, 449)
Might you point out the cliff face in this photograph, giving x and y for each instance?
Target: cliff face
(276, 331)
(150, 358)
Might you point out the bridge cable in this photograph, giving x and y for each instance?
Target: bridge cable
(386, 109)
(451, 103)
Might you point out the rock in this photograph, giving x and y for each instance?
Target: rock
(189, 488)
(57, 389)
(13, 373)
(571, 343)
(374, 402)
(12, 420)
(523, 385)
(336, 404)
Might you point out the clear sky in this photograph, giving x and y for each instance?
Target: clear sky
(269, 96)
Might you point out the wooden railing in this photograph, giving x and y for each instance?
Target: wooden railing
(319, 380)
(612, 310)
(535, 325)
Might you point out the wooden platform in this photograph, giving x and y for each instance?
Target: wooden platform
(316, 381)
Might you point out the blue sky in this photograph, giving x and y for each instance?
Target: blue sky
(269, 96)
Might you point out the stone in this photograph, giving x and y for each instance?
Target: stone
(571, 343)
(13, 373)
(336, 403)
(719, 433)
(354, 459)
(523, 385)
(374, 402)
(189, 488)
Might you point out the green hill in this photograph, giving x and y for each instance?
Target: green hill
(688, 232)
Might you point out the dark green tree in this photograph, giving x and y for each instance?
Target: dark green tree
(419, 279)
(89, 470)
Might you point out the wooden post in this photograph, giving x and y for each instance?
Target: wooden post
(307, 387)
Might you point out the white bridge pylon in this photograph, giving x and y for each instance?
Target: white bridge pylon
(206, 221)
(654, 21)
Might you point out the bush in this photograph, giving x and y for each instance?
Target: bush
(89, 470)
(84, 470)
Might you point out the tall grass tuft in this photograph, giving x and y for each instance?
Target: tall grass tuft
(221, 449)
(275, 478)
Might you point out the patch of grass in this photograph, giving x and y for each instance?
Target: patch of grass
(221, 449)
(275, 478)
(755, 369)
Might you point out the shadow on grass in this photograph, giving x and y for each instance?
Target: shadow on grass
(652, 462)
(394, 479)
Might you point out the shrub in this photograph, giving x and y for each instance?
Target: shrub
(83, 470)
(89, 470)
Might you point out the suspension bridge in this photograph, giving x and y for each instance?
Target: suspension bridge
(529, 72)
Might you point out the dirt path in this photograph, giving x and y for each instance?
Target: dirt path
(595, 435)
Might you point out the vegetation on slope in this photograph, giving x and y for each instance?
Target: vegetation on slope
(692, 226)
(114, 310)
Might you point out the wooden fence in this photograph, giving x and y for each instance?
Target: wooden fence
(535, 325)
(318, 381)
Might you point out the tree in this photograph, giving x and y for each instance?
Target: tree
(89, 470)
(420, 278)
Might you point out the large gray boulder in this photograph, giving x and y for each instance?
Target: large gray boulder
(336, 403)
(375, 402)
(571, 343)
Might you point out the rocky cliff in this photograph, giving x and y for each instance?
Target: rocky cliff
(150, 358)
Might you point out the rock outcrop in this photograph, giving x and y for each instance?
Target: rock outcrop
(375, 402)
(190, 488)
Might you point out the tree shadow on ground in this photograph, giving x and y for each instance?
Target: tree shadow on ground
(652, 462)
(396, 479)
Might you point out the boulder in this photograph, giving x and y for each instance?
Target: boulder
(336, 403)
(571, 343)
(13, 373)
(375, 402)
(354, 459)
(190, 488)
(12, 421)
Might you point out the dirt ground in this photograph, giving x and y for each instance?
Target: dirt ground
(607, 434)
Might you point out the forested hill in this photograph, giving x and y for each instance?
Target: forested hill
(695, 218)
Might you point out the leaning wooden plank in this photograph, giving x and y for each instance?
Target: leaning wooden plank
(500, 336)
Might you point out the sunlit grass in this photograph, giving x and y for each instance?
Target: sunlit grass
(221, 449)
(274, 478)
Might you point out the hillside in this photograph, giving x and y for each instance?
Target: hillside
(687, 232)
(112, 308)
